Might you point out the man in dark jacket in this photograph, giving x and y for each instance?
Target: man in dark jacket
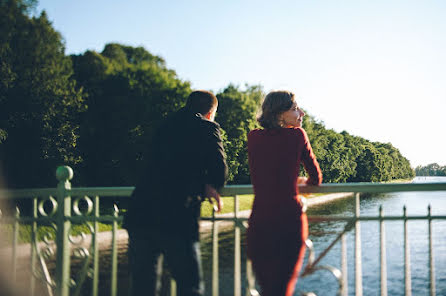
(186, 164)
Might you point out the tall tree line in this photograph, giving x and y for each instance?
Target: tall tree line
(433, 169)
(97, 112)
(39, 101)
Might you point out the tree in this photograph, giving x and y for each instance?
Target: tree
(346, 158)
(369, 165)
(38, 99)
(130, 91)
(237, 116)
(432, 169)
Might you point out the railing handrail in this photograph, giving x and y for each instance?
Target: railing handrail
(361, 187)
(230, 190)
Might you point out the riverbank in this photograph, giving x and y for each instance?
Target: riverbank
(206, 226)
(105, 237)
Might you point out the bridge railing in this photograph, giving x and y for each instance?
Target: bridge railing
(54, 211)
(352, 223)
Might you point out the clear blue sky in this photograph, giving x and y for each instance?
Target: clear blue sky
(376, 69)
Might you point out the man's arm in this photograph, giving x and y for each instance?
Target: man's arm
(217, 170)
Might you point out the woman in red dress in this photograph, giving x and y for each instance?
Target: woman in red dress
(278, 226)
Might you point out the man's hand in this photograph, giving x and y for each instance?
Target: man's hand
(211, 194)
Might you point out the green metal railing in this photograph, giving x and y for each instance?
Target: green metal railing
(62, 207)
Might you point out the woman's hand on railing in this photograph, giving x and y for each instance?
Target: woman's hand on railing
(303, 181)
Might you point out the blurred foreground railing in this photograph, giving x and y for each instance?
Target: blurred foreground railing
(55, 210)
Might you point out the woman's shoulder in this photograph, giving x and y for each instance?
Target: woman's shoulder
(300, 130)
(285, 131)
(258, 132)
(255, 131)
(297, 131)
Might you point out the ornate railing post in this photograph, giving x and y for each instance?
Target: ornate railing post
(64, 174)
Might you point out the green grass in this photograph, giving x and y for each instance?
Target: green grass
(25, 231)
(245, 203)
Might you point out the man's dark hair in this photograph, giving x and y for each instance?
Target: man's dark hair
(201, 101)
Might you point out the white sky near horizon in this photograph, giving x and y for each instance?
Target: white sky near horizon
(376, 69)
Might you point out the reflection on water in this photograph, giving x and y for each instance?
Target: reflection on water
(323, 283)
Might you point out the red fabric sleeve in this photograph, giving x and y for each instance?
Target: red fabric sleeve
(310, 163)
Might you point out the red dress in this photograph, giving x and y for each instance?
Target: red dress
(277, 226)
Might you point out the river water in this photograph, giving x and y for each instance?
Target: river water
(322, 234)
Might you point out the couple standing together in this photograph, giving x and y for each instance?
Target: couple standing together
(187, 164)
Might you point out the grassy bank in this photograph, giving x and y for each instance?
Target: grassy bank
(25, 230)
(399, 181)
(245, 203)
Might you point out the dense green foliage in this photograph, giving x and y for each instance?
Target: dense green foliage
(237, 116)
(347, 158)
(433, 169)
(128, 93)
(97, 112)
(38, 98)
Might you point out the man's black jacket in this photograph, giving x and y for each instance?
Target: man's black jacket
(186, 153)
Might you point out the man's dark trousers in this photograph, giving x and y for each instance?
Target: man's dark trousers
(182, 255)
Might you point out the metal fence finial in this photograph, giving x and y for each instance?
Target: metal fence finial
(64, 173)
